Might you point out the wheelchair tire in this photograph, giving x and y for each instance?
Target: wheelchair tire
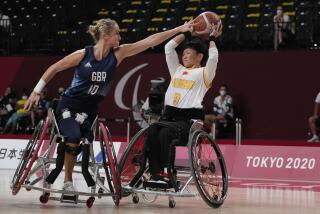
(129, 165)
(109, 161)
(30, 154)
(208, 168)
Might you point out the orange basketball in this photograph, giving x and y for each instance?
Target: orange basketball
(203, 23)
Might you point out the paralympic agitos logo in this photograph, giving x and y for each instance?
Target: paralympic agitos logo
(119, 90)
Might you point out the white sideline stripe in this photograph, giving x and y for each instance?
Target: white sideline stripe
(10, 149)
(270, 179)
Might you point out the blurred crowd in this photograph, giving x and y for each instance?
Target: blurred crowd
(14, 119)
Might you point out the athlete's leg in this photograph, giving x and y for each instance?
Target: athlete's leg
(167, 137)
(153, 149)
(71, 129)
(313, 128)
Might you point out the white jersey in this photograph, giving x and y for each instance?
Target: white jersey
(188, 85)
(187, 88)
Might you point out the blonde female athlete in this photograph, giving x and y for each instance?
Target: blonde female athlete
(95, 67)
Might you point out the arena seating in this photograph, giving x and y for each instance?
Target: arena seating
(59, 26)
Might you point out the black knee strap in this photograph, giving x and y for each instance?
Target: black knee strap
(85, 165)
(59, 164)
(73, 150)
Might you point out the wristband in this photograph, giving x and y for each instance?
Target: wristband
(187, 35)
(41, 84)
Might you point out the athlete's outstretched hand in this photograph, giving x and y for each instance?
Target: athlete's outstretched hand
(32, 99)
(187, 26)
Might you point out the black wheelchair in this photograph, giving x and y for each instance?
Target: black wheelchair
(205, 169)
(37, 162)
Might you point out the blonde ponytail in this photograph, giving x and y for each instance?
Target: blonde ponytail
(101, 27)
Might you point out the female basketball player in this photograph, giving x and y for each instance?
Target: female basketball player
(189, 84)
(95, 68)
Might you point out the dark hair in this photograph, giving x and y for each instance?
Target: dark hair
(199, 46)
(224, 85)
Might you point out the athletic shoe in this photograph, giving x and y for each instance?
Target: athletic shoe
(159, 179)
(68, 186)
(314, 138)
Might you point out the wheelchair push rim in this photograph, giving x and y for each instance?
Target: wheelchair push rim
(29, 156)
(208, 169)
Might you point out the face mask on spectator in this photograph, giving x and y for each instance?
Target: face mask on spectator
(223, 92)
(279, 12)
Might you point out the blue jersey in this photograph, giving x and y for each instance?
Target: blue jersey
(92, 79)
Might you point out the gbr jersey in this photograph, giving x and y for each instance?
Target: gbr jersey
(187, 88)
(92, 78)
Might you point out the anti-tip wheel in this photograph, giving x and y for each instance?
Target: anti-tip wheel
(44, 198)
(135, 199)
(90, 202)
(172, 203)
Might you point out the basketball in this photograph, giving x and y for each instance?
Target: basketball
(203, 23)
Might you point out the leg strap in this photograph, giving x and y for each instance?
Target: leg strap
(85, 165)
(59, 164)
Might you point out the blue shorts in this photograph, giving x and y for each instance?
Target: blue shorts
(69, 127)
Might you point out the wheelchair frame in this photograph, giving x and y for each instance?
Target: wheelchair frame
(196, 135)
(27, 170)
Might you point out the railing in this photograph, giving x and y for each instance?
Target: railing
(238, 131)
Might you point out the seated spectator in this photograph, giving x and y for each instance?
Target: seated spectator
(54, 102)
(39, 110)
(7, 103)
(314, 121)
(282, 29)
(20, 112)
(223, 115)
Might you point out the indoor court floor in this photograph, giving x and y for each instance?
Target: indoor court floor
(244, 197)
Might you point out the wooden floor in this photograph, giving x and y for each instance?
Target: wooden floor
(242, 199)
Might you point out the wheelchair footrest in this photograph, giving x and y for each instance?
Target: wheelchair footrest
(69, 198)
(158, 185)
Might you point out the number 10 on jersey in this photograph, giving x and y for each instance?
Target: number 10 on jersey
(93, 89)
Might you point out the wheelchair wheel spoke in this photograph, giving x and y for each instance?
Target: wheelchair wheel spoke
(208, 169)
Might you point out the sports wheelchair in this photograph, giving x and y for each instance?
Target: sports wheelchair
(205, 169)
(34, 167)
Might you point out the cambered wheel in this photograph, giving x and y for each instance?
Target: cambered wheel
(132, 162)
(208, 168)
(109, 161)
(29, 156)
